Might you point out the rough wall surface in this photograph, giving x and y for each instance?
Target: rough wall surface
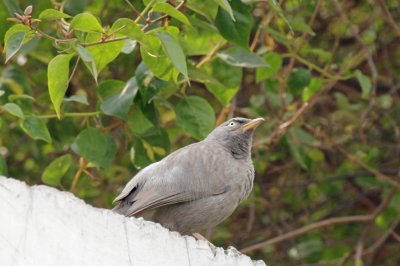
(40, 225)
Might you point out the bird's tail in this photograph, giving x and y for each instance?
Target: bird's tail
(121, 208)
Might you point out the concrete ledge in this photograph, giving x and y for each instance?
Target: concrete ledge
(40, 225)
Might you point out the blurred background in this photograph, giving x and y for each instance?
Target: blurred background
(324, 75)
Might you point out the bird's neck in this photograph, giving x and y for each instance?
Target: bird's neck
(238, 146)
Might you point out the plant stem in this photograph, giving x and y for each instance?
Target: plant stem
(105, 41)
(152, 2)
(70, 115)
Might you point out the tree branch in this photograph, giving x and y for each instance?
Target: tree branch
(307, 228)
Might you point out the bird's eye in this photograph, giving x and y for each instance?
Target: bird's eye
(231, 124)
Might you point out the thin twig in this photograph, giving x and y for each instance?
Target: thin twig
(389, 17)
(74, 70)
(145, 10)
(104, 41)
(82, 167)
(162, 17)
(133, 8)
(355, 31)
(69, 115)
(210, 55)
(284, 127)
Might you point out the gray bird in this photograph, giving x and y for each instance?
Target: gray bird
(197, 186)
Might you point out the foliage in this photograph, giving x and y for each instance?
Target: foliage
(92, 91)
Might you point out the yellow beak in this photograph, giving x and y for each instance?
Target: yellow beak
(253, 124)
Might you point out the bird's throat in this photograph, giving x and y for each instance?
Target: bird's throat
(239, 146)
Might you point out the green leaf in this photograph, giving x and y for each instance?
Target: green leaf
(104, 53)
(174, 51)
(138, 123)
(278, 9)
(109, 87)
(118, 105)
(308, 249)
(385, 101)
(156, 60)
(229, 76)
(52, 14)
(141, 159)
(149, 85)
(86, 22)
(14, 81)
(56, 170)
(15, 97)
(151, 145)
(18, 28)
(274, 61)
(129, 46)
(88, 60)
(226, 6)
(297, 153)
(278, 36)
(298, 80)
(195, 116)
(199, 75)
(237, 31)
(57, 76)
(171, 11)
(314, 86)
(206, 9)
(201, 38)
(14, 109)
(35, 128)
(13, 44)
(365, 84)
(95, 146)
(77, 98)
(12, 6)
(240, 57)
(298, 24)
(127, 27)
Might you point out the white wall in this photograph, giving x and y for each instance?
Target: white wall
(42, 226)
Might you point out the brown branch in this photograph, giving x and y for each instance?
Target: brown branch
(355, 160)
(284, 127)
(324, 223)
(382, 239)
(389, 17)
(359, 247)
(360, 243)
(222, 115)
(307, 228)
(376, 173)
(162, 17)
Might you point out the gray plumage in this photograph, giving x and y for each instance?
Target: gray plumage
(198, 186)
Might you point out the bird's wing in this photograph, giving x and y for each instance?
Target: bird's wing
(185, 175)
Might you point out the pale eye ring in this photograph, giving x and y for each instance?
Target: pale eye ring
(231, 124)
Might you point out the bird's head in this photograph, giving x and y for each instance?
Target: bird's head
(236, 135)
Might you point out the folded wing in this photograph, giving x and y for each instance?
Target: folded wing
(177, 178)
